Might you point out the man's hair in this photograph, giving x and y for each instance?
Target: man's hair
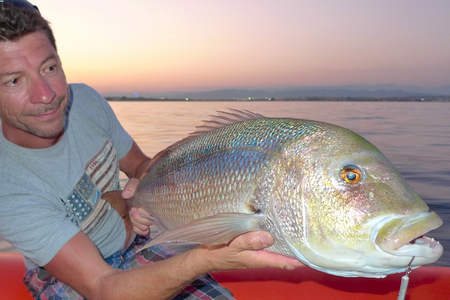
(20, 18)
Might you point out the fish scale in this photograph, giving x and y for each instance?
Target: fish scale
(221, 154)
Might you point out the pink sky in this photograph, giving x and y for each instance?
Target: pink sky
(152, 45)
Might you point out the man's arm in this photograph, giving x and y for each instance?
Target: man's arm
(80, 265)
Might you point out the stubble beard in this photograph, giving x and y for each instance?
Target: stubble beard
(44, 130)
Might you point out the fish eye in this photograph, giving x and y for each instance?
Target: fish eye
(351, 174)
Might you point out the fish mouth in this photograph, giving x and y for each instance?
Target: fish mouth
(405, 236)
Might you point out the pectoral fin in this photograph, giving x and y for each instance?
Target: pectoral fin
(213, 230)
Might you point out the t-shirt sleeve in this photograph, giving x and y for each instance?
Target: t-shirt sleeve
(35, 226)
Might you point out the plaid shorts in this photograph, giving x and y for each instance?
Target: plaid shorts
(43, 286)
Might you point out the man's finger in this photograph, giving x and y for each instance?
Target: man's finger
(141, 232)
(264, 258)
(252, 241)
(130, 188)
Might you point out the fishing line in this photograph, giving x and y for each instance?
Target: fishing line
(405, 281)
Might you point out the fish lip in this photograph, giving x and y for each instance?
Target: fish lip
(404, 235)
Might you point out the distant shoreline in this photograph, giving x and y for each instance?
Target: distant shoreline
(303, 99)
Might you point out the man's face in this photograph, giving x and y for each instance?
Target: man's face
(33, 91)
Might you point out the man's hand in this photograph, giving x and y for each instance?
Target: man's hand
(140, 220)
(139, 217)
(246, 251)
(130, 188)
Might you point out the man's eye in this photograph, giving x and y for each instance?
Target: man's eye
(50, 69)
(12, 82)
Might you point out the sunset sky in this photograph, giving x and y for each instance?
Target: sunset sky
(149, 46)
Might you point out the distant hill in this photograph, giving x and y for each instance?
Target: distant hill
(364, 92)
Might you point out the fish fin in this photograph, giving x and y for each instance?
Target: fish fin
(224, 118)
(221, 119)
(157, 228)
(213, 230)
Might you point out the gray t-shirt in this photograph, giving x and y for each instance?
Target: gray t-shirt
(49, 195)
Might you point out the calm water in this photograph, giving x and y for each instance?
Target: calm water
(414, 136)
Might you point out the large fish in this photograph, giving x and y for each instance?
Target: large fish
(328, 196)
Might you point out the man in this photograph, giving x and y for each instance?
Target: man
(61, 148)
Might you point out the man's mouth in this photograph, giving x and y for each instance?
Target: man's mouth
(48, 112)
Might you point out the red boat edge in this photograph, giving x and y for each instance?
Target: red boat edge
(428, 282)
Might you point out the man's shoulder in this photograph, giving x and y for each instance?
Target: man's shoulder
(83, 91)
(79, 86)
(85, 98)
(88, 109)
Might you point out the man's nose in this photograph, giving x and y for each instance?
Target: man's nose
(41, 91)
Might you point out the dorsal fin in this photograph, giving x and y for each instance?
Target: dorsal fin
(224, 118)
(219, 120)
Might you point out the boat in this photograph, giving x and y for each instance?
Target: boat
(429, 283)
(425, 283)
